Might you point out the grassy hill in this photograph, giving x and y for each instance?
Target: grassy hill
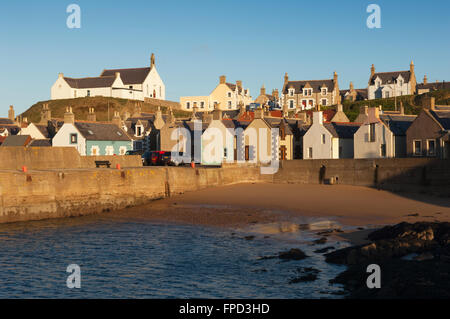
(411, 103)
(104, 108)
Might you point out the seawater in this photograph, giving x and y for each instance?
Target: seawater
(122, 258)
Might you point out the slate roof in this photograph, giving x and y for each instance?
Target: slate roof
(13, 129)
(129, 76)
(17, 140)
(443, 117)
(398, 124)
(315, 84)
(233, 88)
(101, 131)
(434, 86)
(41, 143)
(390, 77)
(342, 130)
(86, 83)
(4, 120)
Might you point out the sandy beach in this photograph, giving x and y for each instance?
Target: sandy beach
(247, 204)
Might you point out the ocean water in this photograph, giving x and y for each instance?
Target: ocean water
(121, 258)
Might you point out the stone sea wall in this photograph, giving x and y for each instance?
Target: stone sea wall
(60, 183)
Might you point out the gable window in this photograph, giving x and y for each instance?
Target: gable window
(324, 91)
(386, 95)
(378, 84)
(225, 154)
(73, 138)
(310, 152)
(431, 147)
(307, 92)
(88, 93)
(372, 132)
(139, 130)
(417, 148)
(323, 138)
(188, 105)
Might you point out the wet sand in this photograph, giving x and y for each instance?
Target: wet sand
(247, 204)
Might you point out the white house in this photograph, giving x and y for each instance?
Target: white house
(390, 84)
(92, 138)
(134, 84)
(328, 140)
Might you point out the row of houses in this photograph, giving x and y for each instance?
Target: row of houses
(262, 135)
(300, 95)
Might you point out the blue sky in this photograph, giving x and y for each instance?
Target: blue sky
(197, 41)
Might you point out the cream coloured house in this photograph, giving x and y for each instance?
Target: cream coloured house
(390, 84)
(382, 135)
(133, 84)
(225, 97)
(328, 140)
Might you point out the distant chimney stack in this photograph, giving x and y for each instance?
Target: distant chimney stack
(91, 115)
(61, 75)
(117, 75)
(263, 90)
(318, 118)
(275, 94)
(429, 103)
(425, 79)
(222, 79)
(340, 108)
(239, 84)
(11, 114)
(46, 114)
(69, 117)
(116, 119)
(259, 113)
(372, 70)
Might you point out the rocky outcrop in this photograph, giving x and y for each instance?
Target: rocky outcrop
(425, 275)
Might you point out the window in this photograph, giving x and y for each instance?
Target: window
(324, 102)
(225, 152)
(229, 104)
(324, 91)
(400, 82)
(73, 138)
(202, 104)
(386, 95)
(131, 87)
(95, 150)
(372, 132)
(195, 104)
(311, 104)
(383, 150)
(304, 102)
(188, 105)
(417, 148)
(310, 152)
(431, 147)
(229, 94)
(122, 150)
(378, 84)
(88, 93)
(307, 92)
(139, 130)
(291, 92)
(283, 153)
(323, 138)
(291, 104)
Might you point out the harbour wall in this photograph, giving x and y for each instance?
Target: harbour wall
(60, 183)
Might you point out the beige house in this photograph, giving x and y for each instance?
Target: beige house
(306, 95)
(225, 97)
(382, 135)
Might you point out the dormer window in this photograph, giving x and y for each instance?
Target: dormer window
(139, 130)
(324, 91)
(307, 92)
(291, 92)
(400, 82)
(378, 83)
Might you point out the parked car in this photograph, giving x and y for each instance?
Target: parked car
(162, 158)
(138, 152)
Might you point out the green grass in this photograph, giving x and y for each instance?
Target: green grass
(104, 108)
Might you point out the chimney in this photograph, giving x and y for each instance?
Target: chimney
(429, 103)
(402, 108)
(259, 113)
(275, 94)
(286, 78)
(11, 114)
(116, 119)
(340, 108)
(61, 75)
(425, 80)
(217, 115)
(363, 109)
(152, 61)
(239, 84)
(372, 71)
(91, 115)
(411, 67)
(222, 79)
(318, 118)
(69, 117)
(137, 110)
(46, 114)
(126, 115)
(170, 116)
(335, 77)
(117, 75)
(352, 88)
(263, 90)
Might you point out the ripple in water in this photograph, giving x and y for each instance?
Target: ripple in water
(143, 259)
